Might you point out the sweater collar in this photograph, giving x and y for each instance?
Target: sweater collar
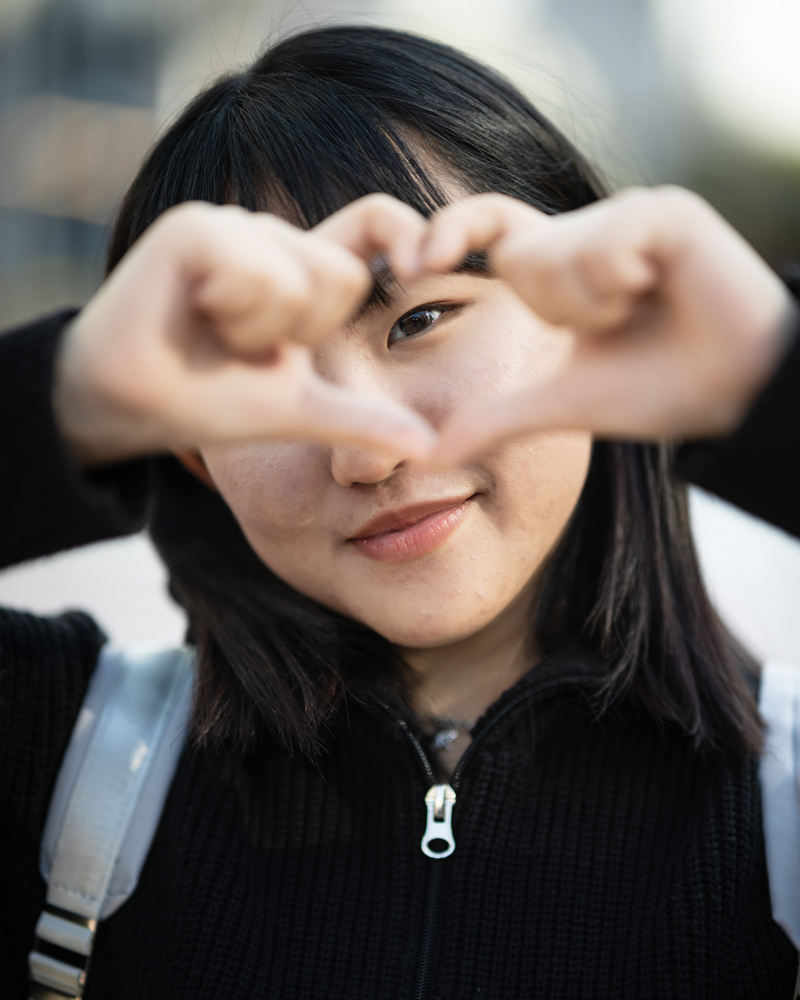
(569, 668)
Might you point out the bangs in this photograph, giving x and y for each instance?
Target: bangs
(306, 154)
(329, 116)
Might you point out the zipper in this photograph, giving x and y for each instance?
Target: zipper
(435, 799)
(423, 974)
(438, 841)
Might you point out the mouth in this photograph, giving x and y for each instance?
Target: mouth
(398, 536)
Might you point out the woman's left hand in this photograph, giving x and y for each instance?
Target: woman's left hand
(677, 321)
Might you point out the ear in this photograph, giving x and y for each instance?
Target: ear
(193, 462)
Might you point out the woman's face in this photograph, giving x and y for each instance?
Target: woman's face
(424, 556)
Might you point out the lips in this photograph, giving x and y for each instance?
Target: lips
(397, 536)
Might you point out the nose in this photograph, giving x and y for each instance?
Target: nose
(351, 464)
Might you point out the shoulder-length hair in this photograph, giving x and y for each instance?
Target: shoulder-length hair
(317, 121)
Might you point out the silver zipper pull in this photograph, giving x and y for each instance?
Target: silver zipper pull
(438, 841)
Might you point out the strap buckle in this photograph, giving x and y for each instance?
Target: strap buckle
(61, 951)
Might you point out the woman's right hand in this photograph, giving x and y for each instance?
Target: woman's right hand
(203, 334)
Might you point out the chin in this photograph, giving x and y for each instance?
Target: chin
(429, 627)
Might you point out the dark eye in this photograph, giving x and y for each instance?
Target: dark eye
(414, 322)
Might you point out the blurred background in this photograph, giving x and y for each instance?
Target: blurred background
(703, 93)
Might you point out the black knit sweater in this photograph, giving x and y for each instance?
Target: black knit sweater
(593, 859)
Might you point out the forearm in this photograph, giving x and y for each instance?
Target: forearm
(48, 503)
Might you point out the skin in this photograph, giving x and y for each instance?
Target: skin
(678, 322)
(219, 349)
(459, 611)
(645, 316)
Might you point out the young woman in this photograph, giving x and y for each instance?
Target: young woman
(528, 626)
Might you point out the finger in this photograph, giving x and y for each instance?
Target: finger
(269, 281)
(335, 415)
(378, 224)
(568, 283)
(254, 301)
(249, 402)
(606, 397)
(341, 282)
(245, 272)
(468, 434)
(472, 224)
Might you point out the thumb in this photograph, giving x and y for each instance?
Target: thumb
(335, 415)
(604, 396)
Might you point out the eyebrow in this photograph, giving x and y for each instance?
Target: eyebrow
(384, 292)
(385, 286)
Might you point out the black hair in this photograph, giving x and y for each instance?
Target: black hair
(317, 121)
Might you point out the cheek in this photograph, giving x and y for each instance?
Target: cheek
(532, 486)
(275, 491)
(500, 348)
(539, 484)
(536, 483)
(284, 499)
(278, 494)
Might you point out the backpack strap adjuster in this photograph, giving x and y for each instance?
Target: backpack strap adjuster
(60, 957)
(106, 806)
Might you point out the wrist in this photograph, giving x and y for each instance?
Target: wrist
(94, 431)
(769, 351)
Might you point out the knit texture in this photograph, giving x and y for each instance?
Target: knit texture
(45, 665)
(757, 466)
(594, 858)
(48, 504)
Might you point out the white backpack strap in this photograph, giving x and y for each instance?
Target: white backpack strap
(779, 702)
(106, 805)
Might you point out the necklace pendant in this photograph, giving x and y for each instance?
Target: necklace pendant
(444, 739)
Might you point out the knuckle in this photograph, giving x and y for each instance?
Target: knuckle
(669, 198)
(332, 263)
(490, 199)
(634, 199)
(200, 221)
(384, 206)
(353, 278)
(188, 217)
(681, 200)
(477, 206)
(295, 290)
(275, 225)
(378, 203)
(379, 199)
(227, 211)
(502, 205)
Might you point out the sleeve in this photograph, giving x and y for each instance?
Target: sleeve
(49, 503)
(757, 467)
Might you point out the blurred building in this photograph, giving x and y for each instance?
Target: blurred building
(699, 93)
(78, 84)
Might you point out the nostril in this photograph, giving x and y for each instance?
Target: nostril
(352, 464)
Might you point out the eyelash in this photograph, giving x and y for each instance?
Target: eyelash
(432, 307)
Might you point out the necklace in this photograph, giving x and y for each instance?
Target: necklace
(446, 731)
